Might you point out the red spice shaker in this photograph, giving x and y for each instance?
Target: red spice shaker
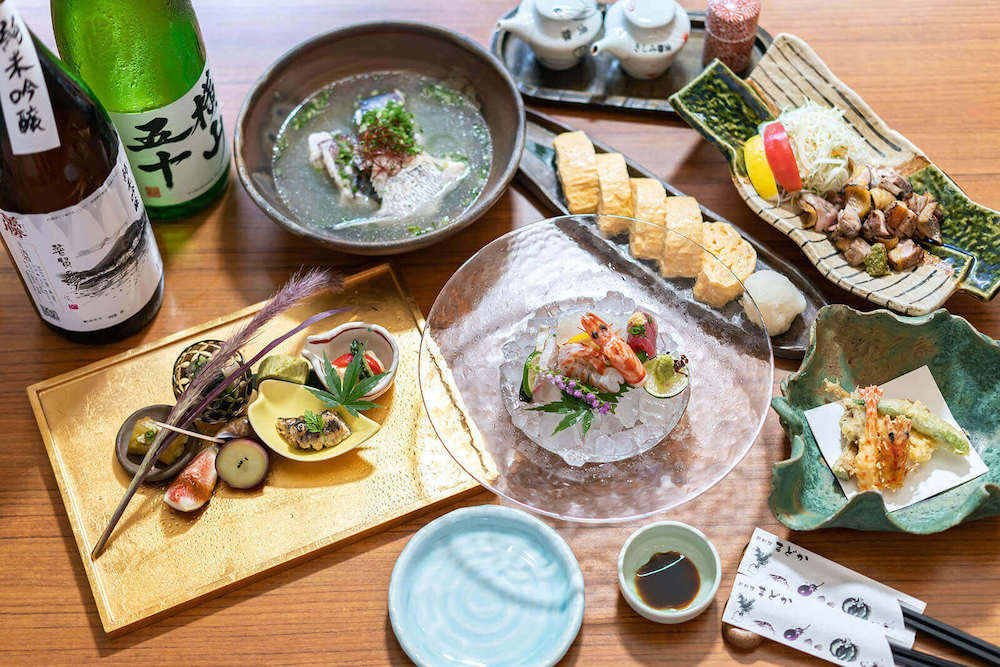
(730, 32)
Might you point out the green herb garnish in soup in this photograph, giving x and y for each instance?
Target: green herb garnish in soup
(383, 156)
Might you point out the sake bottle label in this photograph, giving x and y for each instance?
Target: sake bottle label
(178, 151)
(92, 265)
(24, 97)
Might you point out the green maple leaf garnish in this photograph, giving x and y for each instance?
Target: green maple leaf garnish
(347, 393)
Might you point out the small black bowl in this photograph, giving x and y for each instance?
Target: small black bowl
(131, 462)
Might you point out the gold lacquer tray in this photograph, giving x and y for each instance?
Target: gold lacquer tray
(159, 560)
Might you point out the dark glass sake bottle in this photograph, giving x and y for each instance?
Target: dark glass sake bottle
(71, 218)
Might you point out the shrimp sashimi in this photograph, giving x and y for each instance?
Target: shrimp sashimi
(586, 363)
(614, 349)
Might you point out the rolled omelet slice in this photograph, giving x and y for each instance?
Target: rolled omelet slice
(615, 195)
(720, 237)
(576, 165)
(680, 257)
(650, 201)
(715, 285)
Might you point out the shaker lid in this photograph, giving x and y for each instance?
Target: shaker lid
(562, 10)
(650, 13)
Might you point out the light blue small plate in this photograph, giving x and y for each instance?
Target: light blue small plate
(487, 585)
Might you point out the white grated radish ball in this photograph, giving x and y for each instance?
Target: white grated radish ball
(778, 299)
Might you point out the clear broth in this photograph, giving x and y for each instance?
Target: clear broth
(449, 120)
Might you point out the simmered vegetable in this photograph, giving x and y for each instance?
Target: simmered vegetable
(242, 463)
(144, 433)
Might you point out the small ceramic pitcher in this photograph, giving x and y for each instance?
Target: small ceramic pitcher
(558, 31)
(644, 35)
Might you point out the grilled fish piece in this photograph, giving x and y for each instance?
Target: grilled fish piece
(335, 154)
(374, 103)
(296, 433)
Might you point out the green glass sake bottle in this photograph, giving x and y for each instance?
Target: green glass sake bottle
(145, 61)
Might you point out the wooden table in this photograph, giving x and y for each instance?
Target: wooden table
(929, 68)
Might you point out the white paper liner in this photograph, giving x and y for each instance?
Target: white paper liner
(944, 470)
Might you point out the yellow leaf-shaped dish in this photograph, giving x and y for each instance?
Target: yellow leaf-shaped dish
(276, 399)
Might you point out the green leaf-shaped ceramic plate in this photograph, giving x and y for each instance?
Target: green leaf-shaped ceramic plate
(276, 398)
(727, 110)
(872, 348)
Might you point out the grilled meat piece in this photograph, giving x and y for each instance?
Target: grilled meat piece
(295, 431)
(875, 226)
(848, 223)
(856, 252)
(864, 176)
(882, 199)
(916, 202)
(929, 222)
(901, 220)
(821, 215)
(905, 255)
(891, 180)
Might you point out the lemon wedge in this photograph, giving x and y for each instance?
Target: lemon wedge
(759, 171)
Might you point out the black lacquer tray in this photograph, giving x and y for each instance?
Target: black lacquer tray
(599, 81)
(537, 173)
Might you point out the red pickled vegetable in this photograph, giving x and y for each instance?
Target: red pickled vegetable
(344, 359)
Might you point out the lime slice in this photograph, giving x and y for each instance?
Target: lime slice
(661, 379)
(528, 377)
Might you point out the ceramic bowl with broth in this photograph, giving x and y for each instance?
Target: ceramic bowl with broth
(463, 102)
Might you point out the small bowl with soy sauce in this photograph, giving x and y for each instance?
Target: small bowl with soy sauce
(669, 572)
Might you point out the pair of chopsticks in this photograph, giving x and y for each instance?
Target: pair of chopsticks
(946, 634)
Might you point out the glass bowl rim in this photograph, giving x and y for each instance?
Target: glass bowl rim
(423, 354)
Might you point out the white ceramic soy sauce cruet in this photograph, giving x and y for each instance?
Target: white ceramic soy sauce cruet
(644, 35)
(558, 31)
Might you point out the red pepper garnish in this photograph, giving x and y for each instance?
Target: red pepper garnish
(344, 359)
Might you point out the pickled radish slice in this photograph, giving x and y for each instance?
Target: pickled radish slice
(242, 463)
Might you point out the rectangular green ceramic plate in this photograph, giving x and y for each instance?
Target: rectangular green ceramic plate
(727, 110)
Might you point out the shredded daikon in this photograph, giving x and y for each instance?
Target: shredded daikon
(823, 144)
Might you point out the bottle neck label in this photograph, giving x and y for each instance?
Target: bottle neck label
(179, 151)
(92, 265)
(24, 97)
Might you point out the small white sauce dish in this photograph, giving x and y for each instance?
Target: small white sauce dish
(337, 341)
(667, 536)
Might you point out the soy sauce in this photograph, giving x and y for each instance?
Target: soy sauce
(668, 580)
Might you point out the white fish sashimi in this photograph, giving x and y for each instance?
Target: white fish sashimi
(415, 190)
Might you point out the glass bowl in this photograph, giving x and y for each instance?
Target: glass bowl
(566, 264)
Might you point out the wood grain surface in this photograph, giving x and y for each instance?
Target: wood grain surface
(929, 68)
